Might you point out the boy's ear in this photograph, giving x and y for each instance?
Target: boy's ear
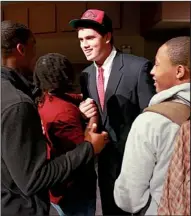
(21, 49)
(108, 37)
(180, 72)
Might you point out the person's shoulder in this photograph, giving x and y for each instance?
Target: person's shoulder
(132, 64)
(64, 108)
(88, 69)
(12, 96)
(134, 59)
(154, 122)
(62, 105)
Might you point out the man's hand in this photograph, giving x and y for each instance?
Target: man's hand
(98, 141)
(88, 108)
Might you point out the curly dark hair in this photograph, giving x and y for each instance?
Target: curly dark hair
(53, 73)
(13, 33)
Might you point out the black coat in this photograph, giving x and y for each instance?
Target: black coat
(26, 174)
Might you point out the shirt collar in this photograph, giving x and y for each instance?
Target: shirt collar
(108, 62)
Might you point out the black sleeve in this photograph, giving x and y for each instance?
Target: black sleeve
(84, 85)
(146, 88)
(24, 151)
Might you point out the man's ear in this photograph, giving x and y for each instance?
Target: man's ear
(180, 72)
(21, 49)
(108, 37)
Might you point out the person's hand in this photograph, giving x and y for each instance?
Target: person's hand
(98, 141)
(88, 108)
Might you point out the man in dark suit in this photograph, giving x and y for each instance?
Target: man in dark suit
(121, 87)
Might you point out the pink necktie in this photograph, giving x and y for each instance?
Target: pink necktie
(100, 86)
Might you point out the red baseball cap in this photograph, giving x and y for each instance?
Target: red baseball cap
(93, 18)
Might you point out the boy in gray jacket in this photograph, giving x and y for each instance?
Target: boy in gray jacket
(151, 140)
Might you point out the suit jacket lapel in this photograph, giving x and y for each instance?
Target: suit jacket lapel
(113, 81)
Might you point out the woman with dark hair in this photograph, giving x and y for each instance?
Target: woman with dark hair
(64, 129)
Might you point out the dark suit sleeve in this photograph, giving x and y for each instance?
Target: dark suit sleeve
(24, 152)
(145, 88)
(84, 85)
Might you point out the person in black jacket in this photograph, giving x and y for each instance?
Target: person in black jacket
(26, 174)
(121, 87)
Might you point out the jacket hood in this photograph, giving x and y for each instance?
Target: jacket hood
(180, 93)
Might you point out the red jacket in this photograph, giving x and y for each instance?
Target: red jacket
(63, 128)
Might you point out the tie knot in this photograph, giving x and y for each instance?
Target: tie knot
(100, 70)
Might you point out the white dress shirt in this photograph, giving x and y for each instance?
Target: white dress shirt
(107, 66)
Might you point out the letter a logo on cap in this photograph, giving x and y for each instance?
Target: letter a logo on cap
(95, 15)
(89, 15)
